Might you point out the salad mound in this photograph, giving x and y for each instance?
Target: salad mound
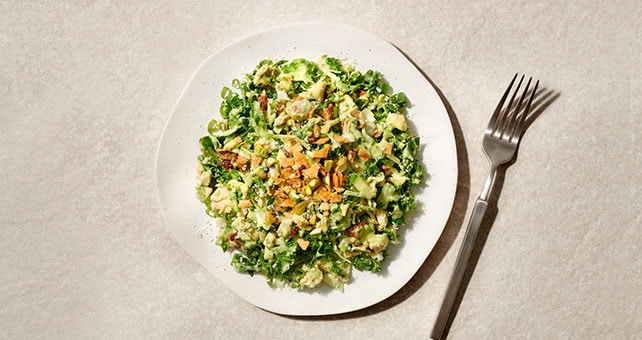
(310, 168)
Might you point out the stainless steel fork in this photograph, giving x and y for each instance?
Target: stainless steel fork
(500, 143)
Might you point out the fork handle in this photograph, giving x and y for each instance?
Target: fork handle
(460, 267)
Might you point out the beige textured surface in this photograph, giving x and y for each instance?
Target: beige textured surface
(88, 85)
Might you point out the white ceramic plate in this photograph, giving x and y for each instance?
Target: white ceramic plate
(199, 103)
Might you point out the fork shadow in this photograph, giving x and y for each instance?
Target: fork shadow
(542, 100)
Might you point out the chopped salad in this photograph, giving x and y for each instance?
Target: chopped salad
(311, 169)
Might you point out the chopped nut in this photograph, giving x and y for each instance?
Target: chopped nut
(281, 194)
(312, 171)
(304, 244)
(326, 127)
(245, 204)
(287, 162)
(335, 198)
(323, 194)
(337, 180)
(290, 174)
(295, 146)
(277, 181)
(363, 154)
(256, 161)
(321, 141)
(350, 156)
(240, 161)
(295, 183)
(327, 196)
(300, 159)
(328, 112)
(323, 153)
(327, 181)
(341, 139)
(287, 203)
(341, 165)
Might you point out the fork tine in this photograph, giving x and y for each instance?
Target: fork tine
(515, 117)
(520, 126)
(505, 117)
(493, 119)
